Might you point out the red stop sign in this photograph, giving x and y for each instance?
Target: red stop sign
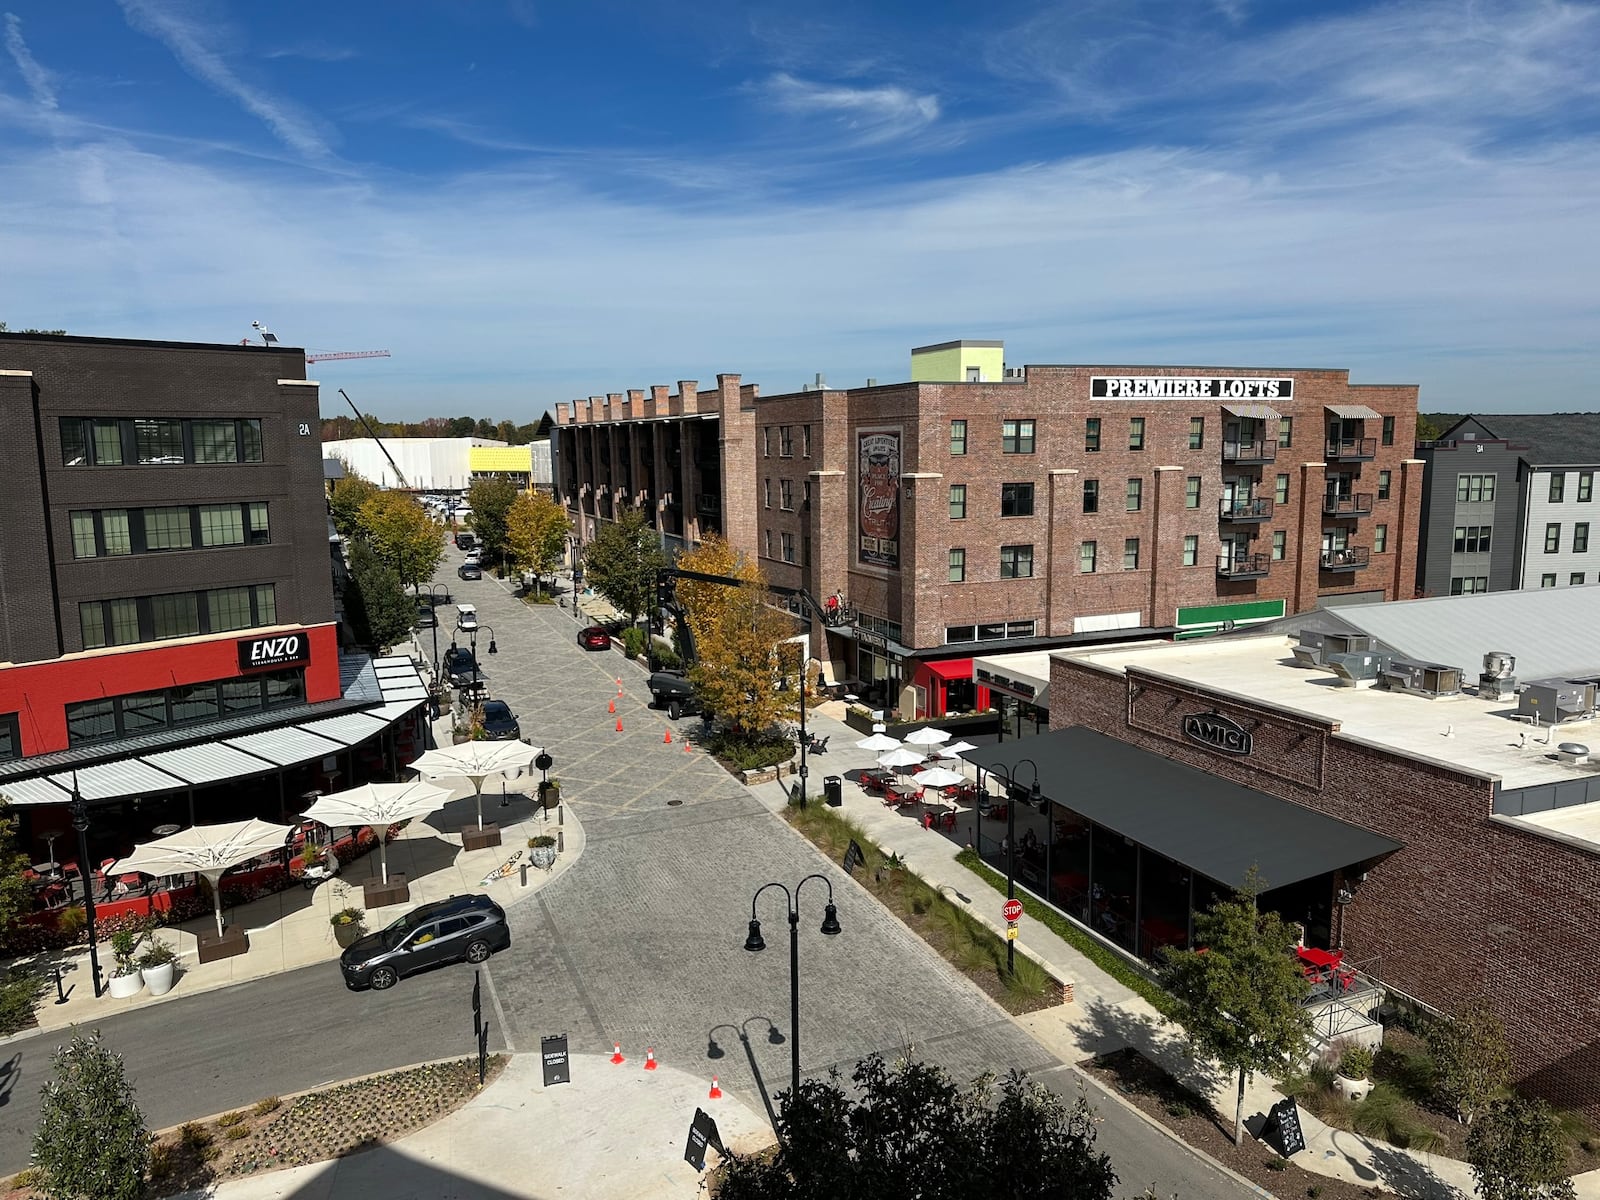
(1013, 910)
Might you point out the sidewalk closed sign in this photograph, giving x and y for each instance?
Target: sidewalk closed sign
(853, 857)
(553, 1053)
(702, 1133)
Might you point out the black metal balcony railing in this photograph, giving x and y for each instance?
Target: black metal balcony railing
(1351, 558)
(1261, 450)
(1352, 449)
(1243, 566)
(1356, 504)
(1249, 508)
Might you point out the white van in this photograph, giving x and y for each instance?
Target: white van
(466, 617)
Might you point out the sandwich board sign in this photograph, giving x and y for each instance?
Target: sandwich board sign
(553, 1054)
(702, 1133)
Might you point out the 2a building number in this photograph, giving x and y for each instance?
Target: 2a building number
(305, 428)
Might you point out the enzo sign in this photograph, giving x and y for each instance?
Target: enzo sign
(279, 650)
(1217, 732)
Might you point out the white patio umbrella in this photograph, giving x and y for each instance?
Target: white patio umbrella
(379, 805)
(207, 850)
(878, 741)
(926, 736)
(901, 757)
(477, 761)
(940, 777)
(954, 748)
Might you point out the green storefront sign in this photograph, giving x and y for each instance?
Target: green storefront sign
(1210, 618)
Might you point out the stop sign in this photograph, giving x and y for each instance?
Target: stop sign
(1013, 910)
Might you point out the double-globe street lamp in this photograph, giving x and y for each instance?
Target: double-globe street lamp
(754, 943)
(80, 822)
(1011, 837)
(433, 607)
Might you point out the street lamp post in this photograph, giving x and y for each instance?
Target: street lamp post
(805, 740)
(80, 822)
(1011, 839)
(433, 601)
(754, 943)
(473, 634)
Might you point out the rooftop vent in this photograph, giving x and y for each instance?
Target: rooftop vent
(1354, 669)
(1573, 753)
(1316, 647)
(1422, 679)
(1552, 701)
(1499, 678)
(820, 384)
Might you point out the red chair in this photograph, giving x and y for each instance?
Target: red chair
(950, 821)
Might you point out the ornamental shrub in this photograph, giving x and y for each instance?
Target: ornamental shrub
(92, 1139)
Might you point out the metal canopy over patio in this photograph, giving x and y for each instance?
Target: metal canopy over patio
(287, 746)
(108, 781)
(209, 763)
(1215, 827)
(351, 729)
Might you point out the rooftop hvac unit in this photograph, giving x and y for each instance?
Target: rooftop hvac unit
(1421, 679)
(1354, 669)
(1316, 647)
(1552, 701)
(1499, 678)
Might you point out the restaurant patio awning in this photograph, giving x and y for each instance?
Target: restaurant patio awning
(1255, 412)
(1353, 412)
(1214, 826)
(209, 762)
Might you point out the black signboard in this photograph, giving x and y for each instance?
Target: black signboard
(553, 1053)
(1283, 1125)
(279, 650)
(1179, 387)
(702, 1133)
(1217, 732)
(853, 858)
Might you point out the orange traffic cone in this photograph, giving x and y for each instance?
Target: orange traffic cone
(650, 1059)
(716, 1092)
(616, 1053)
(666, 737)
(619, 685)
(619, 724)
(611, 706)
(686, 749)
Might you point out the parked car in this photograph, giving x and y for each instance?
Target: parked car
(673, 692)
(426, 617)
(475, 555)
(465, 541)
(470, 570)
(594, 637)
(459, 929)
(466, 617)
(460, 667)
(499, 722)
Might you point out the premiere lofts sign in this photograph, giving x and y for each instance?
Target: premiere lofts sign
(1217, 732)
(1178, 387)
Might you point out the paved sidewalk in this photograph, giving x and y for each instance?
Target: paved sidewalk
(613, 1133)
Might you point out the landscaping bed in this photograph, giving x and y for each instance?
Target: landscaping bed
(313, 1127)
(959, 938)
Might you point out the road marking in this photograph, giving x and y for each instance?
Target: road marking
(499, 1010)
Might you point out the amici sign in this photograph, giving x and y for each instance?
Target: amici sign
(1217, 732)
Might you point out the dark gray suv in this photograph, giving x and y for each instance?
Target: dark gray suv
(459, 929)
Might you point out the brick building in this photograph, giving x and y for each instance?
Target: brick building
(1430, 829)
(978, 509)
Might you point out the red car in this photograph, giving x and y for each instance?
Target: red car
(594, 637)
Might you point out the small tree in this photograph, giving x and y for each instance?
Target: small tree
(1472, 1062)
(349, 494)
(404, 535)
(1240, 1000)
(1517, 1152)
(16, 897)
(92, 1140)
(536, 533)
(377, 607)
(621, 563)
(490, 501)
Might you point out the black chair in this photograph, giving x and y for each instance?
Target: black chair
(820, 745)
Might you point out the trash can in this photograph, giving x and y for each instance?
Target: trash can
(833, 790)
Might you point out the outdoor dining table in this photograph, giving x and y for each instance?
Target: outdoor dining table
(905, 792)
(49, 870)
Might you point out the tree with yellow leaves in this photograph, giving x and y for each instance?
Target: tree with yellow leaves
(741, 655)
(403, 535)
(536, 533)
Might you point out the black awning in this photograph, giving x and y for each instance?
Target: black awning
(1214, 826)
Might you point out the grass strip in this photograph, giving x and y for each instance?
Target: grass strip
(1106, 959)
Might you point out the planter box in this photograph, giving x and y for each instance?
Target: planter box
(349, 935)
(232, 942)
(121, 987)
(377, 894)
(159, 979)
(480, 839)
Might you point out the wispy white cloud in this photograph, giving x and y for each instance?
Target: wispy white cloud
(313, 51)
(38, 79)
(187, 39)
(871, 114)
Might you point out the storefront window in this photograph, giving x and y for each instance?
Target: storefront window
(1111, 895)
(1163, 903)
(143, 713)
(286, 687)
(92, 721)
(1069, 862)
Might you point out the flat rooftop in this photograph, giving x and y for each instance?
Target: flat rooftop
(1463, 732)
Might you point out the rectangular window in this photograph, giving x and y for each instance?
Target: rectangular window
(1086, 557)
(1388, 431)
(1472, 539)
(83, 540)
(1380, 539)
(805, 441)
(960, 633)
(92, 721)
(250, 440)
(1468, 585)
(766, 493)
(74, 443)
(228, 608)
(1191, 549)
(195, 702)
(266, 597)
(1280, 492)
(10, 737)
(1016, 437)
(1130, 554)
(1191, 492)
(1383, 485)
(285, 688)
(958, 564)
(787, 541)
(1552, 538)
(1091, 434)
(1016, 562)
(214, 441)
(1285, 432)
(158, 440)
(122, 622)
(786, 495)
(1473, 489)
(958, 437)
(1135, 433)
(1575, 579)
(766, 441)
(167, 529)
(1585, 486)
(107, 443)
(958, 501)
(240, 696)
(92, 624)
(175, 615)
(1091, 495)
(1016, 499)
(1197, 433)
(1580, 538)
(768, 550)
(1279, 540)
(1135, 494)
(1547, 581)
(143, 713)
(1558, 487)
(785, 441)
(221, 525)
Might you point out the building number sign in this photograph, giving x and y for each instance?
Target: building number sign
(305, 428)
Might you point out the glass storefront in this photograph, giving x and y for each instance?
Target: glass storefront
(1018, 718)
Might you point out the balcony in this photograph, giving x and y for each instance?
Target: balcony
(1243, 566)
(1262, 450)
(708, 505)
(1356, 504)
(1351, 449)
(1351, 558)
(1251, 508)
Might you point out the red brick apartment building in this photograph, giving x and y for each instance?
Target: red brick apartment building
(979, 509)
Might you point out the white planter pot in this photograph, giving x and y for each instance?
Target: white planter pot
(543, 857)
(159, 979)
(123, 986)
(1353, 1090)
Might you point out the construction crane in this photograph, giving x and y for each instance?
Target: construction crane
(268, 338)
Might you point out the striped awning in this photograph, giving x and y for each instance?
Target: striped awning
(1353, 412)
(1252, 412)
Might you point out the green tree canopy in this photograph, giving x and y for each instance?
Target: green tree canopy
(404, 535)
(490, 501)
(909, 1133)
(376, 605)
(92, 1140)
(621, 563)
(1472, 1062)
(349, 494)
(1517, 1152)
(536, 533)
(16, 898)
(1240, 1000)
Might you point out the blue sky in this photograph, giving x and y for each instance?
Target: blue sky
(528, 201)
